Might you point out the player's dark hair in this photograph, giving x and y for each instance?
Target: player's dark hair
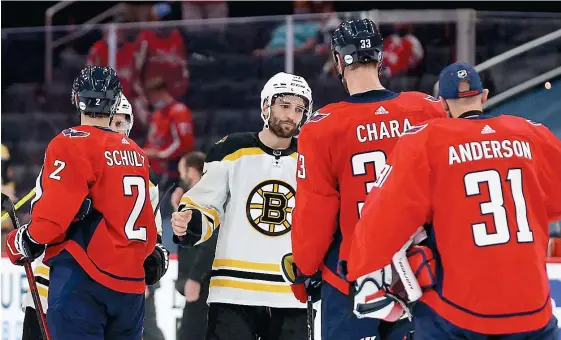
(355, 66)
(195, 159)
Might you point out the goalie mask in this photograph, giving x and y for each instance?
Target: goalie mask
(124, 108)
(285, 89)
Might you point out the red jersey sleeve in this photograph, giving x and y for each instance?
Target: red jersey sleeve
(62, 186)
(396, 207)
(550, 169)
(317, 203)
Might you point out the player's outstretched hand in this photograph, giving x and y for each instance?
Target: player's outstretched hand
(179, 221)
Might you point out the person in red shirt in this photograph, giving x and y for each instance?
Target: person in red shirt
(170, 132)
(162, 54)
(486, 187)
(341, 151)
(402, 50)
(98, 55)
(101, 264)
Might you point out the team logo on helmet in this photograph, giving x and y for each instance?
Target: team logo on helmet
(462, 73)
(269, 207)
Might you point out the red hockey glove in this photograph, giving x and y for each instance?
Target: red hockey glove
(302, 286)
(19, 246)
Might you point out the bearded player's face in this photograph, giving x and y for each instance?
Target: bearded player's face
(286, 113)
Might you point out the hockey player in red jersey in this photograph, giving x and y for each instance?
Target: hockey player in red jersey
(100, 265)
(488, 186)
(341, 150)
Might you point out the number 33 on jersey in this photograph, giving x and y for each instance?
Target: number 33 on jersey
(111, 170)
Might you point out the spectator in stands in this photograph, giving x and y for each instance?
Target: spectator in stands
(190, 171)
(170, 132)
(305, 34)
(124, 59)
(8, 185)
(204, 10)
(402, 50)
(328, 24)
(8, 188)
(161, 53)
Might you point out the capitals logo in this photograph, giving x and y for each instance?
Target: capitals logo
(316, 117)
(75, 133)
(415, 129)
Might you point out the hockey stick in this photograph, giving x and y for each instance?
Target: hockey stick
(8, 205)
(162, 198)
(310, 316)
(20, 202)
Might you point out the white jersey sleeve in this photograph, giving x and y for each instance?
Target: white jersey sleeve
(154, 199)
(209, 196)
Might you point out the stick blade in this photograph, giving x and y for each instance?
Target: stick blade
(8, 207)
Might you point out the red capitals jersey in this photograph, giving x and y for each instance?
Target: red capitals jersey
(171, 133)
(490, 187)
(164, 56)
(340, 151)
(113, 241)
(125, 63)
(402, 53)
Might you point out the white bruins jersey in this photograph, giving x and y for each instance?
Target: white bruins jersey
(248, 189)
(41, 270)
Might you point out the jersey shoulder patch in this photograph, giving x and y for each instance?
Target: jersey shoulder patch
(317, 116)
(230, 144)
(533, 123)
(73, 133)
(432, 99)
(415, 129)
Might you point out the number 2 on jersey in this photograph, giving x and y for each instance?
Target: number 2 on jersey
(132, 232)
(358, 164)
(495, 206)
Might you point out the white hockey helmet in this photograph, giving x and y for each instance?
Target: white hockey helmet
(285, 83)
(125, 108)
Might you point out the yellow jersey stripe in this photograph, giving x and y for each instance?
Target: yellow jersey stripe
(239, 264)
(42, 270)
(150, 184)
(254, 286)
(294, 155)
(212, 213)
(43, 292)
(243, 152)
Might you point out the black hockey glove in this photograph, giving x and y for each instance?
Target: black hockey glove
(156, 264)
(194, 231)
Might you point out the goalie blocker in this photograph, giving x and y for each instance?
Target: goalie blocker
(386, 293)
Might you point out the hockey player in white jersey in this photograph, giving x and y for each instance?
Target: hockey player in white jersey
(122, 123)
(248, 188)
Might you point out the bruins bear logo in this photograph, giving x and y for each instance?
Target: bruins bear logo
(269, 207)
